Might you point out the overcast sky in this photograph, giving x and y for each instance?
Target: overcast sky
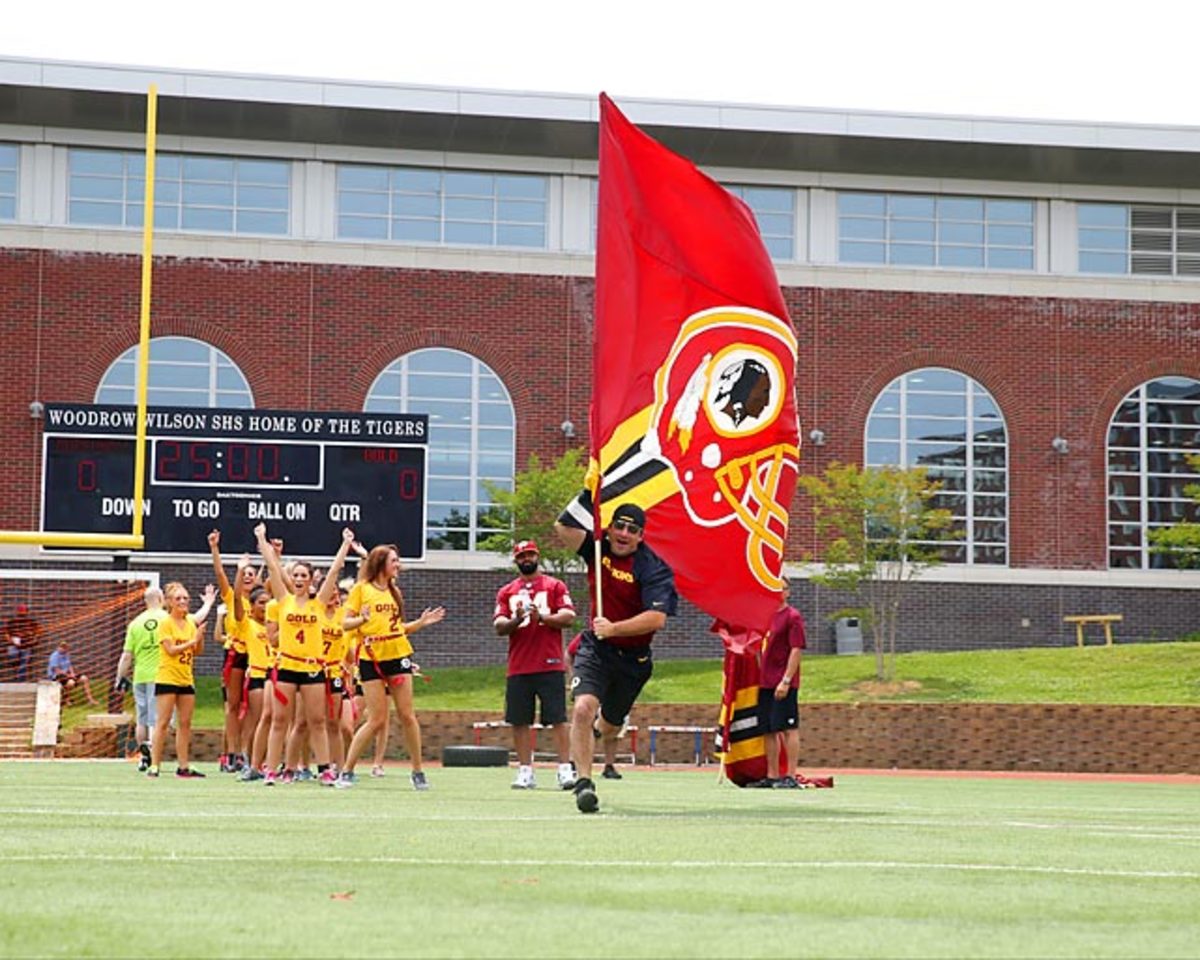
(1060, 59)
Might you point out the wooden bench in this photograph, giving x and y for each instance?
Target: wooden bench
(701, 755)
(1106, 620)
(479, 726)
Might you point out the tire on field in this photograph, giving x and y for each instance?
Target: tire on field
(469, 755)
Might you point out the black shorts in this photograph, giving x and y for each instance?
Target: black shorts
(547, 687)
(390, 668)
(241, 661)
(257, 683)
(300, 679)
(161, 688)
(358, 690)
(337, 686)
(775, 716)
(613, 675)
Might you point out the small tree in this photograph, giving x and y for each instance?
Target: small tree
(880, 527)
(531, 507)
(1181, 541)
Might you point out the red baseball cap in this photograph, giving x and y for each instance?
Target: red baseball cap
(525, 546)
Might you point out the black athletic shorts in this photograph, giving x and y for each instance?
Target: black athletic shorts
(241, 661)
(337, 686)
(614, 675)
(775, 716)
(161, 688)
(547, 687)
(390, 668)
(257, 683)
(300, 679)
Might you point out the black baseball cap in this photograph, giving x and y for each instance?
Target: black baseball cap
(630, 513)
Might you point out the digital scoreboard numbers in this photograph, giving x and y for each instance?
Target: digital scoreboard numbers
(305, 475)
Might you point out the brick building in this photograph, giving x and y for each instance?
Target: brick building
(1013, 304)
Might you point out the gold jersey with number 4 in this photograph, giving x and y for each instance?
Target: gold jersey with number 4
(300, 634)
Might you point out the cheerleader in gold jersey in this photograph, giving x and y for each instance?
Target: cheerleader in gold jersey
(300, 675)
(339, 673)
(375, 608)
(257, 723)
(233, 673)
(181, 640)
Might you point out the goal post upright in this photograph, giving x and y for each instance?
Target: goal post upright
(135, 540)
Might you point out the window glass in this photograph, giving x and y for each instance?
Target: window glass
(929, 412)
(426, 205)
(472, 436)
(914, 230)
(191, 192)
(1151, 435)
(182, 373)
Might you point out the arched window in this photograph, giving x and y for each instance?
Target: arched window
(183, 373)
(1151, 434)
(471, 438)
(950, 425)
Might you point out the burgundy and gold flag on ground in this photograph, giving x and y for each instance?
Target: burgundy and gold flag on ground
(693, 412)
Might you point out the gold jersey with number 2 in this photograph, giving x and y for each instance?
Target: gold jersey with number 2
(383, 632)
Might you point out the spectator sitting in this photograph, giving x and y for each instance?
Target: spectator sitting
(59, 668)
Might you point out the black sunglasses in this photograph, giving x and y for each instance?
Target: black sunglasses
(626, 526)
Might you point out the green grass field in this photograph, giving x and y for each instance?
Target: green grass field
(96, 860)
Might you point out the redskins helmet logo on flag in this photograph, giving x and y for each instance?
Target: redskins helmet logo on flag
(717, 397)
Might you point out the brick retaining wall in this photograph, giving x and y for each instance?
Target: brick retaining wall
(1051, 737)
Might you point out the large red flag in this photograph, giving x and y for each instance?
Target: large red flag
(693, 395)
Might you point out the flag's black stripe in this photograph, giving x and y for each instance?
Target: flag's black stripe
(647, 471)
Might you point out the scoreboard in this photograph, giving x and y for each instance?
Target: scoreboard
(306, 475)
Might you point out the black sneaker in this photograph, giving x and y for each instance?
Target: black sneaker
(585, 796)
(143, 764)
(611, 772)
(188, 773)
(766, 783)
(786, 783)
(144, 750)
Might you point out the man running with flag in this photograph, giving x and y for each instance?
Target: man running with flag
(613, 662)
(693, 413)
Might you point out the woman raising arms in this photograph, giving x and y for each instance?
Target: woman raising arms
(181, 640)
(375, 608)
(233, 672)
(301, 671)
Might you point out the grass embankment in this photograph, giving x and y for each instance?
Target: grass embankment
(1147, 673)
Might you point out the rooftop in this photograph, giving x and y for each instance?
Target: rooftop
(50, 94)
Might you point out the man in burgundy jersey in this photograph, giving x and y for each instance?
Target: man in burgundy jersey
(532, 611)
(637, 593)
(779, 687)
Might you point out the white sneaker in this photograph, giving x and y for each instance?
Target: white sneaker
(524, 779)
(566, 776)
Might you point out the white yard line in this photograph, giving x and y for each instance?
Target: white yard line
(290, 858)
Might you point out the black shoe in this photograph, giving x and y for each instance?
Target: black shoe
(585, 796)
(143, 765)
(611, 772)
(786, 783)
(144, 750)
(766, 783)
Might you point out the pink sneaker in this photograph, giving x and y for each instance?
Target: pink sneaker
(270, 778)
(327, 778)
